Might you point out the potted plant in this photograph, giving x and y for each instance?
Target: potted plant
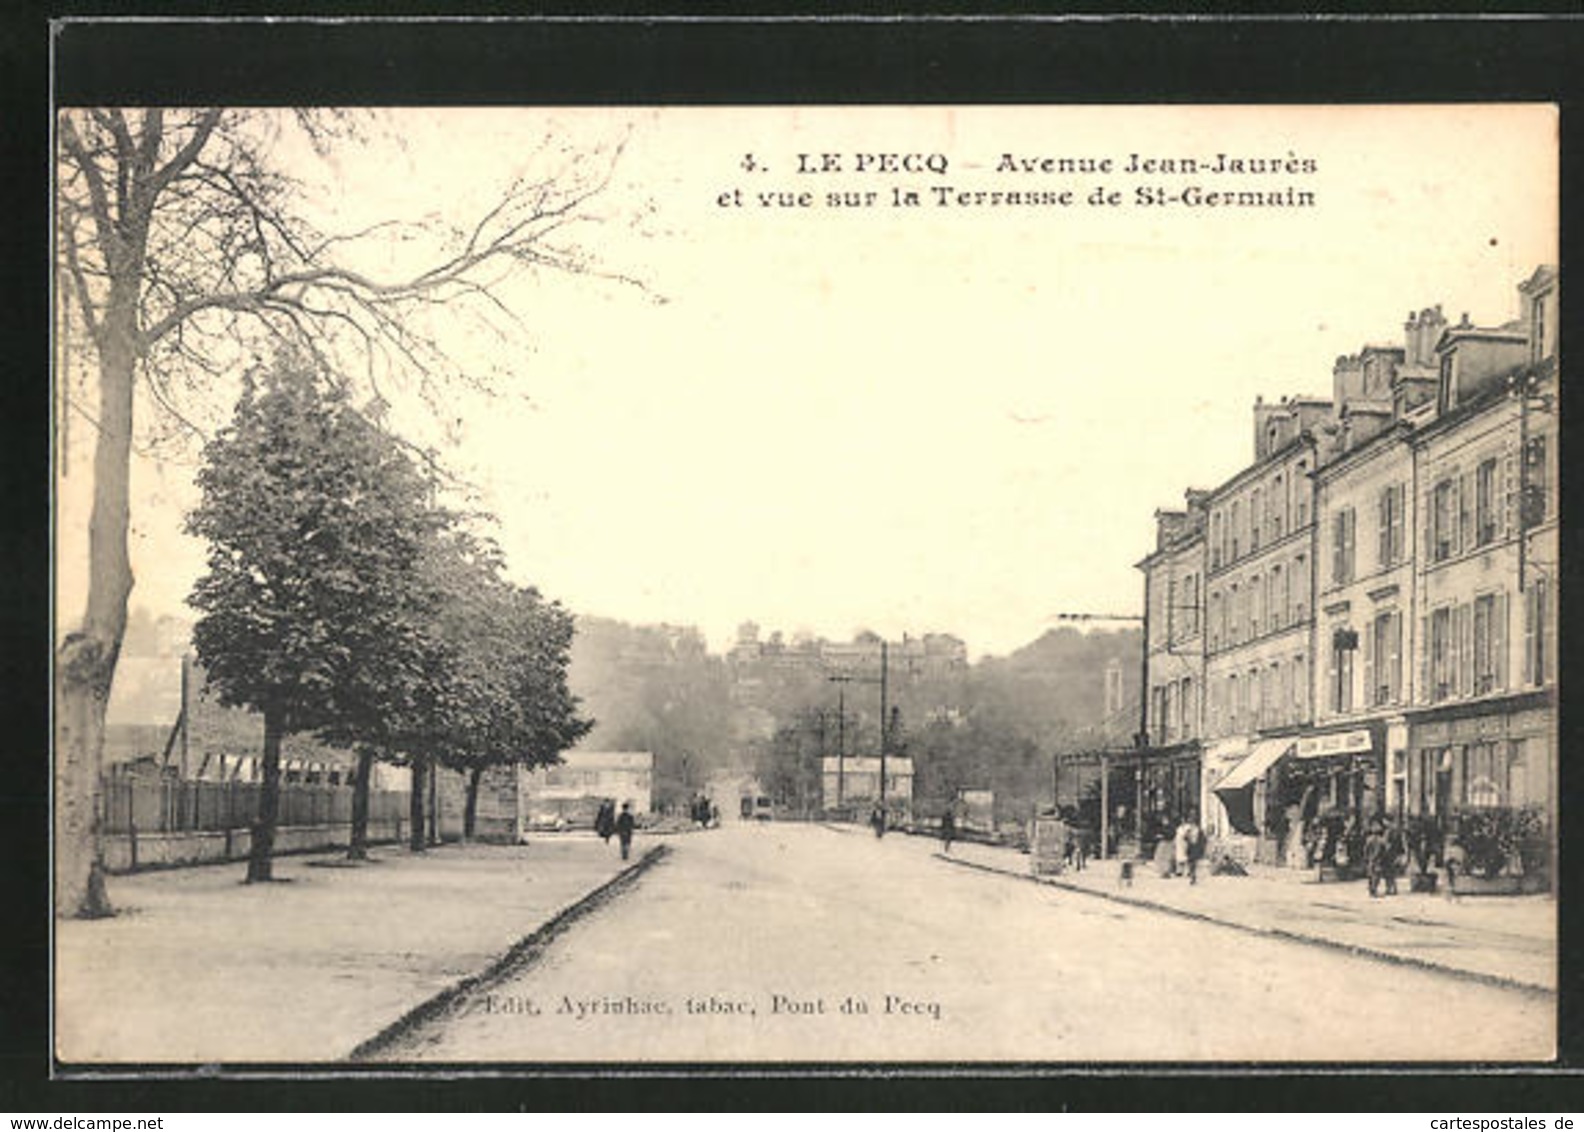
(1498, 851)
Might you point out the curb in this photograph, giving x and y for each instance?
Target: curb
(520, 956)
(1355, 949)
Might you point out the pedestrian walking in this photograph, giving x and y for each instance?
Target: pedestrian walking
(877, 819)
(948, 828)
(1180, 838)
(605, 820)
(1375, 857)
(624, 829)
(1196, 848)
(1396, 853)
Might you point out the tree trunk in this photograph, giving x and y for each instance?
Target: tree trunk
(357, 848)
(434, 802)
(416, 840)
(82, 684)
(85, 663)
(470, 812)
(263, 847)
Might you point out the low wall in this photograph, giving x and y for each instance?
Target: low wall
(128, 852)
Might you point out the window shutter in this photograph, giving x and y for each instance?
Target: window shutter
(1465, 520)
(1333, 697)
(1454, 648)
(1426, 688)
(1399, 518)
(1394, 660)
(1349, 529)
(1336, 548)
(1547, 632)
(1369, 663)
(1499, 638)
(1427, 551)
(1531, 628)
(1383, 523)
(1466, 675)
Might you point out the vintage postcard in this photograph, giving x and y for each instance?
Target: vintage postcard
(806, 585)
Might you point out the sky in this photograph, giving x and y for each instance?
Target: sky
(919, 418)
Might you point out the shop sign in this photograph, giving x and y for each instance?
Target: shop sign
(1340, 743)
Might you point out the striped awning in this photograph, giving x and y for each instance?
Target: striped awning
(1236, 789)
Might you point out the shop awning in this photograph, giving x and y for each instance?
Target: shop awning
(1258, 761)
(1236, 789)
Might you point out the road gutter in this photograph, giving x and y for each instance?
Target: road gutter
(1356, 949)
(522, 955)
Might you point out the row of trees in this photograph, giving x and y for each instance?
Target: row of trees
(341, 599)
(182, 245)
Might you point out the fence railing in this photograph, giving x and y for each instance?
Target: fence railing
(144, 806)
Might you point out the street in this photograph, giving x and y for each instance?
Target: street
(783, 942)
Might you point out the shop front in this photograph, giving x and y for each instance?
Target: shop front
(1243, 791)
(1490, 762)
(1129, 798)
(1330, 789)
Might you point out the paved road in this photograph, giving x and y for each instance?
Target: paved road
(797, 943)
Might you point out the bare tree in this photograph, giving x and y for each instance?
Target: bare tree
(180, 241)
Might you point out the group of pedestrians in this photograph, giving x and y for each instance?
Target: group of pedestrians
(607, 821)
(704, 813)
(1385, 857)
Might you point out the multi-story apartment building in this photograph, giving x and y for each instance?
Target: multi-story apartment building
(1482, 723)
(1379, 630)
(1169, 758)
(1364, 557)
(1259, 611)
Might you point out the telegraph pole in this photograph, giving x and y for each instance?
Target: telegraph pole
(885, 731)
(884, 723)
(1105, 762)
(841, 734)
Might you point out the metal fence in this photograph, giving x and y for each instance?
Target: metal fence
(168, 805)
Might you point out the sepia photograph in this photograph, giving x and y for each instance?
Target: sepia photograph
(805, 585)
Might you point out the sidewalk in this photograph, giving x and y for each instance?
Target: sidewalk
(198, 967)
(1501, 939)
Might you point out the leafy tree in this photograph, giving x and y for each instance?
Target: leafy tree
(179, 238)
(315, 520)
(526, 715)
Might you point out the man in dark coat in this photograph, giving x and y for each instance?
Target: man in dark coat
(1375, 858)
(605, 820)
(624, 828)
(948, 828)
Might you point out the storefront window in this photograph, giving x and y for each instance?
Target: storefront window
(1518, 774)
(1480, 787)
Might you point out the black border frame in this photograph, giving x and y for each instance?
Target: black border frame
(359, 54)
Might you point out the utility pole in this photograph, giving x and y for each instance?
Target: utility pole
(885, 731)
(884, 723)
(841, 734)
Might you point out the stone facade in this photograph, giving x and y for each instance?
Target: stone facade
(1379, 623)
